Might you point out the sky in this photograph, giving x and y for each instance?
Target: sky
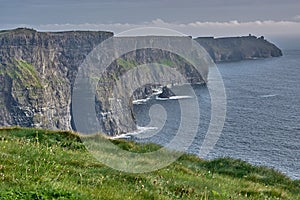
(277, 20)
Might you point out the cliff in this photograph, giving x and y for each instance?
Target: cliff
(38, 70)
(238, 48)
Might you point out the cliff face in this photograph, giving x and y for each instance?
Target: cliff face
(238, 48)
(116, 90)
(38, 70)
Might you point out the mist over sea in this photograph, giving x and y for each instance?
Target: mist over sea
(263, 114)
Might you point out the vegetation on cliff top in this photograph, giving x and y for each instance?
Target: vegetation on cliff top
(41, 164)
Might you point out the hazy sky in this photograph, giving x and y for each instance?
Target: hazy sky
(276, 19)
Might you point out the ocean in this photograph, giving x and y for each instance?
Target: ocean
(262, 124)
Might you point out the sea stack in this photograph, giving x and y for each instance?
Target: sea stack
(166, 93)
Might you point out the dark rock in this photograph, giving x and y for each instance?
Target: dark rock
(166, 93)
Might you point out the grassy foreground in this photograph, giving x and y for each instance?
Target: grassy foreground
(40, 164)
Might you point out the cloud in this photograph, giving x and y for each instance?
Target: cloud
(297, 17)
(197, 28)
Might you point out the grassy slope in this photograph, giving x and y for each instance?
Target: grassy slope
(40, 164)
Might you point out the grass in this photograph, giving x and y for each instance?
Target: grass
(126, 64)
(167, 62)
(23, 73)
(42, 164)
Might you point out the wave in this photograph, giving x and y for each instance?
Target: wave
(156, 91)
(131, 134)
(174, 98)
(140, 101)
(181, 97)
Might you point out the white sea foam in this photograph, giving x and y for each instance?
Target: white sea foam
(140, 101)
(138, 131)
(161, 99)
(156, 91)
(181, 97)
(174, 98)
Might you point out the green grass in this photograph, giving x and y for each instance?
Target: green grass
(167, 62)
(41, 164)
(23, 73)
(126, 64)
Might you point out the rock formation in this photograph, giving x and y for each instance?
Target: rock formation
(166, 93)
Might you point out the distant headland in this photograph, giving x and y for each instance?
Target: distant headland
(229, 49)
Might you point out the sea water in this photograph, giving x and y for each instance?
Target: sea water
(262, 123)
